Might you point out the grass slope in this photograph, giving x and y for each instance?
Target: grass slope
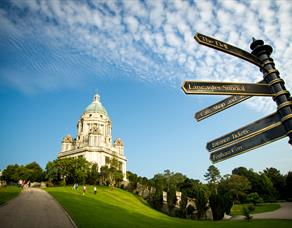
(118, 208)
(7, 193)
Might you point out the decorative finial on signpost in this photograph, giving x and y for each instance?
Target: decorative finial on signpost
(258, 47)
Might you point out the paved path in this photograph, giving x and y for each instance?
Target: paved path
(34, 208)
(284, 212)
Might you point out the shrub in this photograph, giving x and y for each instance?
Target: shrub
(246, 213)
(254, 198)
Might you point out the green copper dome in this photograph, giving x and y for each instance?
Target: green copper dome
(96, 106)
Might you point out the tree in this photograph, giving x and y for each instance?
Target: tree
(171, 198)
(183, 205)
(288, 186)
(23, 173)
(278, 181)
(103, 175)
(254, 198)
(213, 177)
(238, 185)
(93, 175)
(189, 211)
(220, 196)
(242, 171)
(167, 181)
(158, 181)
(201, 196)
(227, 196)
(221, 200)
(117, 176)
(133, 180)
(68, 170)
(110, 173)
(260, 183)
(10, 173)
(267, 190)
(196, 190)
(30, 172)
(171, 179)
(217, 206)
(143, 187)
(79, 170)
(52, 172)
(36, 173)
(64, 166)
(171, 182)
(252, 176)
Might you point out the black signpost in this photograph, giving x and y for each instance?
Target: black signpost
(261, 132)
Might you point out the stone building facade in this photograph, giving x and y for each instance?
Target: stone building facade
(94, 138)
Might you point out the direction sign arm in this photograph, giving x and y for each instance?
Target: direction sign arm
(227, 48)
(248, 131)
(267, 137)
(221, 105)
(226, 88)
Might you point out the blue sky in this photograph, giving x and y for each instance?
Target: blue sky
(55, 54)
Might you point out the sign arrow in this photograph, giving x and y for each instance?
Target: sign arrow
(271, 135)
(227, 48)
(226, 88)
(221, 105)
(245, 132)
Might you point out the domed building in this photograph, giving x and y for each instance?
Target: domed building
(94, 138)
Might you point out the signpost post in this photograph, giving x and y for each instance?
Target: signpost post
(261, 132)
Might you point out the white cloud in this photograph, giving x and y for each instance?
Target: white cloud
(204, 8)
(152, 41)
(173, 39)
(132, 23)
(159, 40)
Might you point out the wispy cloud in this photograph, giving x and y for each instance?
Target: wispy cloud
(148, 40)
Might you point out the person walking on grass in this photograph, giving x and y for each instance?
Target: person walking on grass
(94, 189)
(84, 189)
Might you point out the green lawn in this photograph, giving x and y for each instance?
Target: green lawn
(118, 208)
(7, 193)
(237, 208)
